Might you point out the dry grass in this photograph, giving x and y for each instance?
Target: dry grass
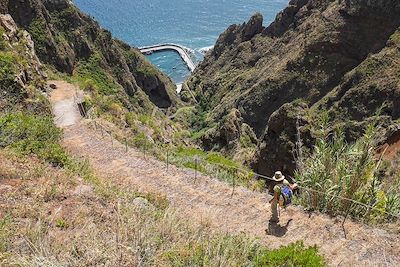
(53, 217)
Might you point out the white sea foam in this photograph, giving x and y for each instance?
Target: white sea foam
(179, 87)
(204, 50)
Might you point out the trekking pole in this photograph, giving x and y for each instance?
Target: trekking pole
(344, 220)
(233, 185)
(195, 170)
(167, 159)
(126, 145)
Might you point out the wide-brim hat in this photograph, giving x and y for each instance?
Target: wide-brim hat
(278, 177)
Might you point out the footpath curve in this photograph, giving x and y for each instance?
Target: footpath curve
(210, 200)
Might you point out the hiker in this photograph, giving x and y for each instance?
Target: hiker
(283, 192)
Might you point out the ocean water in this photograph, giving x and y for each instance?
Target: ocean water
(195, 24)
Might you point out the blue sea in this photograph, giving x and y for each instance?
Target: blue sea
(195, 24)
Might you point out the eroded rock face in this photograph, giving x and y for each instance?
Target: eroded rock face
(9, 25)
(253, 27)
(64, 37)
(287, 18)
(228, 133)
(236, 34)
(24, 77)
(155, 89)
(328, 53)
(13, 36)
(286, 126)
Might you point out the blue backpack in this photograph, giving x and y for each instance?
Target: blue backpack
(287, 194)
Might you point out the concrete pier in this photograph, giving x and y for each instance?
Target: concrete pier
(182, 51)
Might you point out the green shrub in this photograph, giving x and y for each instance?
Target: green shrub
(90, 85)
(192, 165)
(189, 152)
(62, 19)
(217, 158)
(2, 40)
(245, 141)
(294, 255)
(215, 165)
(147, 120)
(8, 71)
(341, 170)
(142, 141)
(90, 75)
(130, 118)
(147, 71)
(182, 116)
(38, 31)
(4, 233)
(62, 224)
(198, 118)
(197, 135)
(239, 251)
(31, 134)
(213, 158)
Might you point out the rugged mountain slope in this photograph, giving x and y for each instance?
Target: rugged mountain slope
(22, 78)
(53, 201)
(120, 85)
(68, 39)
(335, 55)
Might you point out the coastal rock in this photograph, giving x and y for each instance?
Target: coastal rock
(253, 27)
(287, 18)
(225, 40)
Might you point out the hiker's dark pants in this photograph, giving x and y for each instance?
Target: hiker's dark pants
(274, 210)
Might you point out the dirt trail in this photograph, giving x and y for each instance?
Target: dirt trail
(210, 200)
(65, 110)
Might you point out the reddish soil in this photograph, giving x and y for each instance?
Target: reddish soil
(391, 147)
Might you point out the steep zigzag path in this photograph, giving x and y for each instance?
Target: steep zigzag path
(210, 200)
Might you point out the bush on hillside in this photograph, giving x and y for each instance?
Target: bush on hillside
(242, 252)
(38, 31)
(342, 170)
(295, 254)
(91, 76)
(8, 71)
(32, 134)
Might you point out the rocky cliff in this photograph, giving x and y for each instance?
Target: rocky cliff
(340, 56)
(67, 39)
(21, 73)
